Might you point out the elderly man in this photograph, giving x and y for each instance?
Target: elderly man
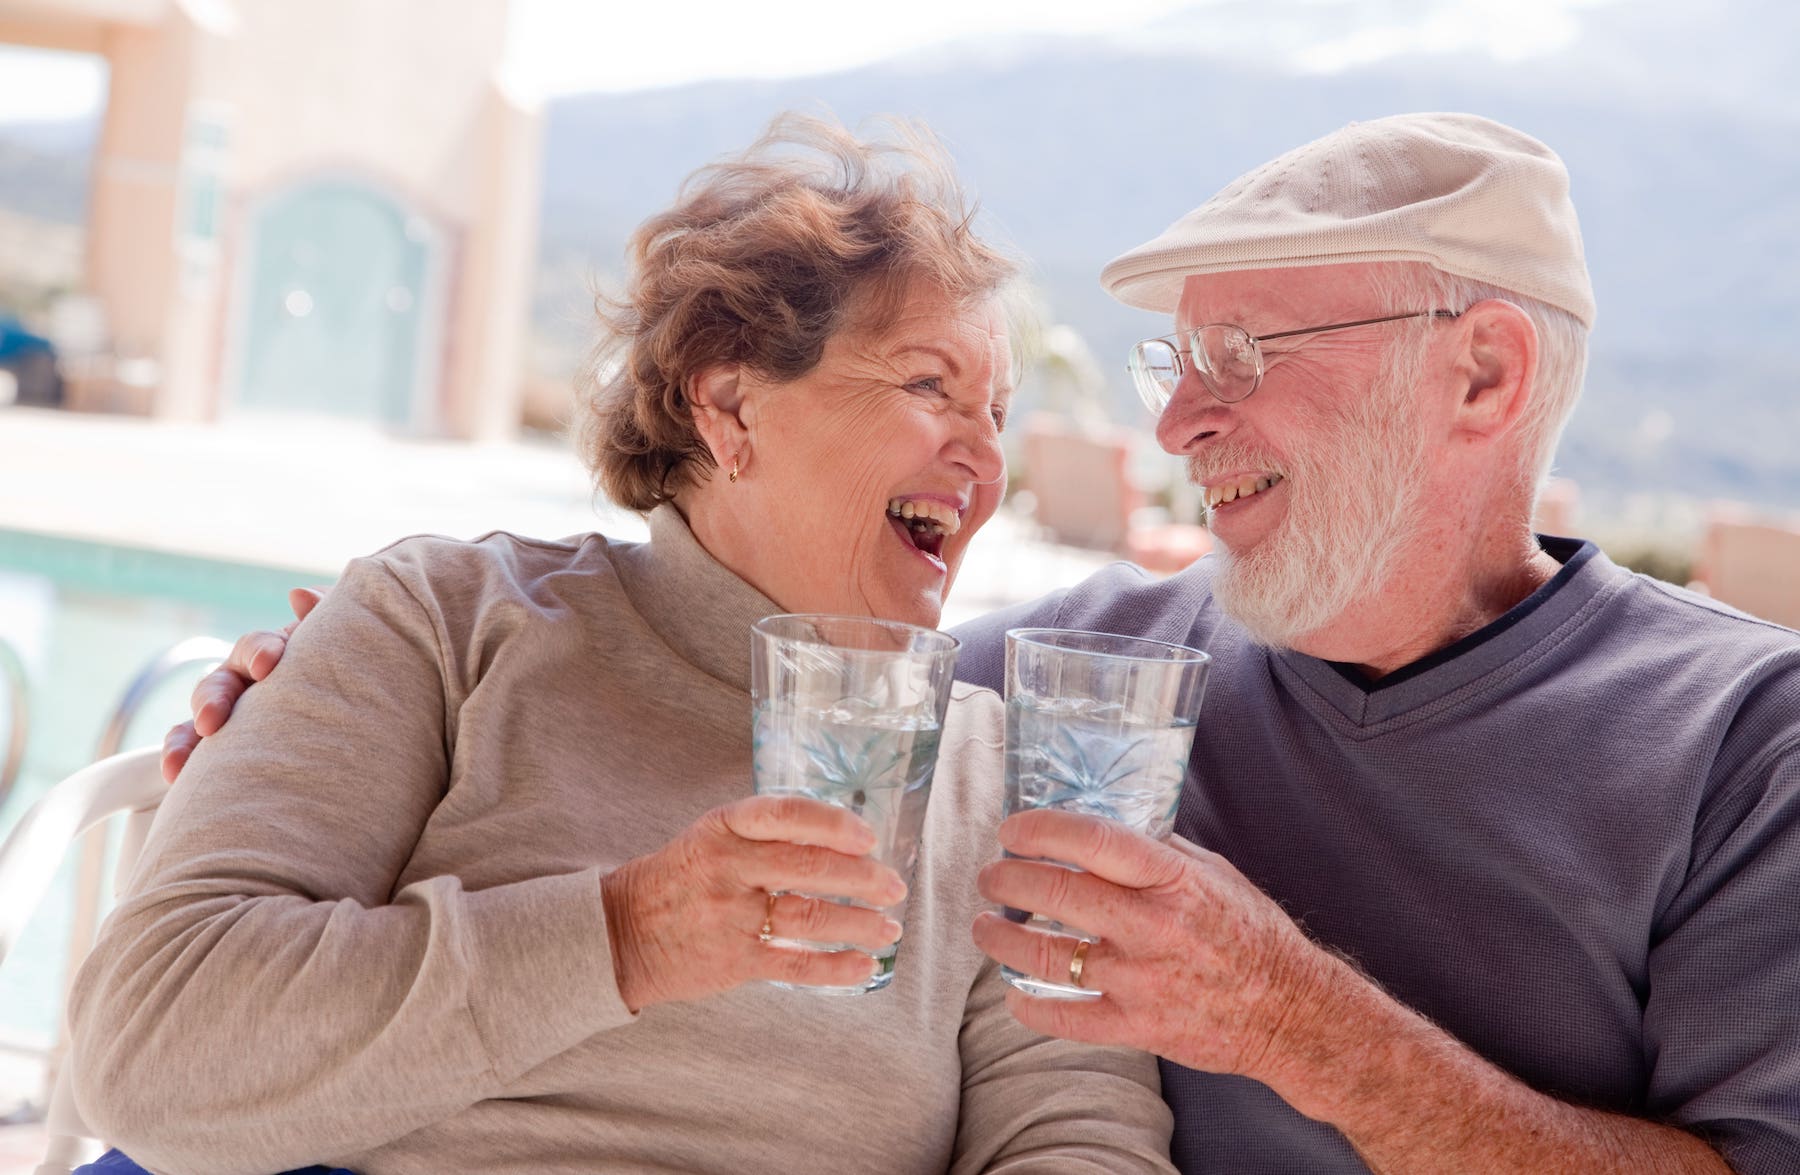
(1492, 848)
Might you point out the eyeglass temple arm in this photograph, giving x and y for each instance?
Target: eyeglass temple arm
(1314, 330)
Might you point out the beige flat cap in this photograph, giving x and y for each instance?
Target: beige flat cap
(1463, 193)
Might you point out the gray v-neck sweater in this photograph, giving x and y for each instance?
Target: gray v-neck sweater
(368, 929)
(1572, 839)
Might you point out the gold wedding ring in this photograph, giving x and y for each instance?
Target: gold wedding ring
(1077, 962)
(768, 927)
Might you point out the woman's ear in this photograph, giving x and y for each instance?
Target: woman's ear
(715, 396)
(1497, 368)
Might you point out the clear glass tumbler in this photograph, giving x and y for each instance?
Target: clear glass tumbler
(1102, 725)
(848, 710)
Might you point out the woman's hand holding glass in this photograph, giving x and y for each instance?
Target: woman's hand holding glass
(696, 916)
(685, 921)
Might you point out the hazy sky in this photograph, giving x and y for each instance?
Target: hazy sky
(569, 46)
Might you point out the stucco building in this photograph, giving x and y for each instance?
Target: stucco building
(319, 208)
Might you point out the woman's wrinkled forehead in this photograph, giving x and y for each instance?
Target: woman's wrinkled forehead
(968, 330)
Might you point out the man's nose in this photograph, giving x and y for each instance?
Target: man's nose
(1192, 416)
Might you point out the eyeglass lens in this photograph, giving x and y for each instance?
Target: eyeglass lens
(1155, 373)
(1227, 359)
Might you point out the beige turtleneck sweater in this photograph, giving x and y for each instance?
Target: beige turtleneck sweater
(367, 930)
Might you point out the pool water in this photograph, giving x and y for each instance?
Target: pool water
(85, 618)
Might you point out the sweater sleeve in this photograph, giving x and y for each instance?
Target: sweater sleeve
(1721, 1023)
(1033, 1103)
(1030, 1102)
(266, 998)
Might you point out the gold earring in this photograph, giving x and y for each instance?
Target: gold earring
(734, 470)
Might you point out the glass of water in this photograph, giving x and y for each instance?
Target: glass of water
(848, 710)
(1102, 725)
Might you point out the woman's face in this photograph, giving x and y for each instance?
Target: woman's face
(863, 481)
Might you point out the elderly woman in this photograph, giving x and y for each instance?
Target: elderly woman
(472, 881)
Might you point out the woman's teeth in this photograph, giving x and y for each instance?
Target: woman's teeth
(923, 516)
(1217, 496)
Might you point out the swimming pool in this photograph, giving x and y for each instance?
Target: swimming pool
(85, 618)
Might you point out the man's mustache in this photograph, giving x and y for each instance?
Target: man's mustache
(1201, 470)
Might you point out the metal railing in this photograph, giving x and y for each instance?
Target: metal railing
(91, 865)
(196, 650)
(90, 870)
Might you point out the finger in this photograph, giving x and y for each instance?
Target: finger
(1105, 848)
(265, 653)
(1096, 1021)
(302, 601)
(255, 654)
(776, 866)
(782, 963)
(796, 916)
(1182, 844)
(213, 698)
(1038, 952)
(1063, 894)
(178, 744)
(801, 820)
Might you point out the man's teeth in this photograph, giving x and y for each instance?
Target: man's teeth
(923, 514)
(1217, 496)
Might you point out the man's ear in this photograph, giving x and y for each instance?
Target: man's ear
(715, 396)
(1496, 370)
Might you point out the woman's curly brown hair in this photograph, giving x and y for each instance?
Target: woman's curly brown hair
(763, 257)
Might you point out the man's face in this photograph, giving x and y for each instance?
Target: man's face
(1316, 483)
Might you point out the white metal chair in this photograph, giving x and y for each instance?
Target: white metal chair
(131, 783)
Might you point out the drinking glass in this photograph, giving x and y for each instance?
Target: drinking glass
(848, 710)
(1102, 725)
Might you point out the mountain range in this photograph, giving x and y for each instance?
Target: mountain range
(1680, 128)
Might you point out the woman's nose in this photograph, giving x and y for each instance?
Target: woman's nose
(978, 449)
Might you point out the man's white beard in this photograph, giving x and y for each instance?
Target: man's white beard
(1354, 485)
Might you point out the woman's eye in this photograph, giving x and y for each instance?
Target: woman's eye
(999, 415)
(931, 383)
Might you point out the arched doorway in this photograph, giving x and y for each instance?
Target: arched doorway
(335, 310)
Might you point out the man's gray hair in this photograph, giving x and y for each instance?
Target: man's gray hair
(1562, 354)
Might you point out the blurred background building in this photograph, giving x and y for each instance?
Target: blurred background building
(324, 208)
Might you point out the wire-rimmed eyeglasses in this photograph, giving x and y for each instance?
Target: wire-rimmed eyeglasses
(1227, 358)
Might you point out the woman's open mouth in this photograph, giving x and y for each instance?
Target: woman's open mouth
(924, 524)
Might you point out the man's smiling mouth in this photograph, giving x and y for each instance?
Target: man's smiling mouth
(1243, 487)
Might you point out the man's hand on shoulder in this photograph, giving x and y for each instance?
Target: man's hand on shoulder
(252, 658)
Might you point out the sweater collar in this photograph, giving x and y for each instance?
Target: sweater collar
(1490, 655)
(697, 605)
